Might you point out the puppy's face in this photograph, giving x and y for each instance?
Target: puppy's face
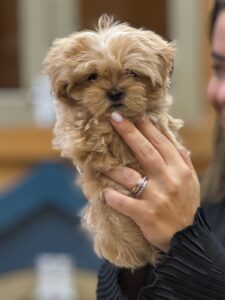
(116, 67)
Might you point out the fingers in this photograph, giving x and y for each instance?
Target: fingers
(124, 204)
(166, 148)
(145, 152)
(185, 154)
(147, 141)
(125, 176)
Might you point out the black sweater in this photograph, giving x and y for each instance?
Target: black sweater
(193, 268)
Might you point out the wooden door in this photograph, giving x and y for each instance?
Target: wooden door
(9, 55)
(145, 13)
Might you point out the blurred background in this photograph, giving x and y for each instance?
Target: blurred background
(43, 253)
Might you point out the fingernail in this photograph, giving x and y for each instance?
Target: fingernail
(117, 117)
(107, 192)
(144, 118)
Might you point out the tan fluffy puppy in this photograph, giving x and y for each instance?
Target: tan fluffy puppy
(92, 74)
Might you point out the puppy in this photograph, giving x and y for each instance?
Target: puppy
(93, 73)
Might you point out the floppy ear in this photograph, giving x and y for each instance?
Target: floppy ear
(55, 67)
(166, 57)
(160, 58)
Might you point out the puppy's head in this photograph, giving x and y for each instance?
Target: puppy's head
(116, 67)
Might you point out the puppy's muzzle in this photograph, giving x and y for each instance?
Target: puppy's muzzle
(115, 94)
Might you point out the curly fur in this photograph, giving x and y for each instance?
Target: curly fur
(82, 69)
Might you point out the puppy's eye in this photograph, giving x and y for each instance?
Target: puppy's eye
(131, 73)
(93, 77)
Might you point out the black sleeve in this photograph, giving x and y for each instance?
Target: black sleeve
(193, 268)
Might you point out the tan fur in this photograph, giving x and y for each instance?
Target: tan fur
(83, 132)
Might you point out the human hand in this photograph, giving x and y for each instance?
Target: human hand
(172, 195)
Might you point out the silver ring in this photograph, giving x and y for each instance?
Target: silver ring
(139, 188)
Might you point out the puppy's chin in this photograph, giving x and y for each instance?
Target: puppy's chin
(126, 112)
(101, 109)
(121, 108)
(129, 108)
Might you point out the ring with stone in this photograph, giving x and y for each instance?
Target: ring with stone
(140, 186)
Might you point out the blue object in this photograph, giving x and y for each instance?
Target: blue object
(41, 214)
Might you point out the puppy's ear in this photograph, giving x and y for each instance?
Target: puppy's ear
(166, 57)
(55, 67)
(159, 58)
(61, 91)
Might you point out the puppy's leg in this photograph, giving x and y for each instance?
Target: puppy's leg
(116, 237)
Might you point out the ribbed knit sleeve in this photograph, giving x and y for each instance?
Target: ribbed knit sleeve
(108, 287)
(193, 268)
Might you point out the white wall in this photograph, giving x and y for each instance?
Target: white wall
(186, 28)
(39, 22)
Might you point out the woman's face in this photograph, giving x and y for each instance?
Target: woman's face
(216, 87)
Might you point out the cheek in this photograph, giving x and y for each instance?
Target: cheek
(216, 92)
(211, 90)
(136, 94)
(94, 100)
(94, 94)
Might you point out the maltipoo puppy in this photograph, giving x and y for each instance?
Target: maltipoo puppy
(92, 74)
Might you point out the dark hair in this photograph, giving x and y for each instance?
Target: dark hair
(213, 184)
(218, 7)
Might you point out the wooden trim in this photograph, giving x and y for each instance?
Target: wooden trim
(199, 141)
(26, 145)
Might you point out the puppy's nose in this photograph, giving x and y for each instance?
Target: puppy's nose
(115, 94)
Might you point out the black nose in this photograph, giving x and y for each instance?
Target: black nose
(115, 94)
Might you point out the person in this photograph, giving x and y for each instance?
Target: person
(168, 212)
